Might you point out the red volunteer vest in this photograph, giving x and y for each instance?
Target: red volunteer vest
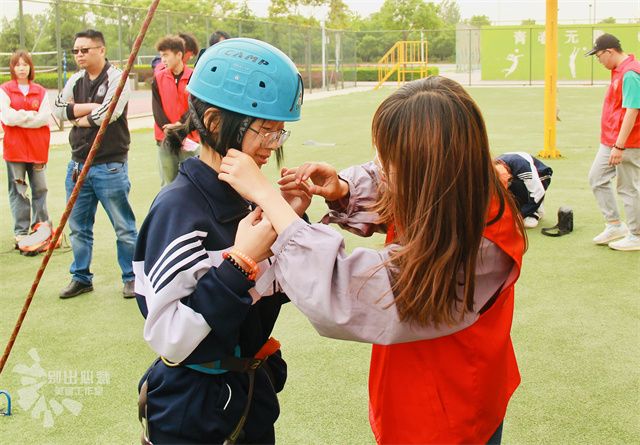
(30, 145)
(174, 98)
(612, 111)
(452, 389)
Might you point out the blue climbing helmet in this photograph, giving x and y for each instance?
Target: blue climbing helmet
(249, 77)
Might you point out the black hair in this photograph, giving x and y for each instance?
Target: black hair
(92, 34)
(174, 44)
(190, 42)
(217, 36)
(231, 129)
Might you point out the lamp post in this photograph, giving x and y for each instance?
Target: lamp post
(590, 5)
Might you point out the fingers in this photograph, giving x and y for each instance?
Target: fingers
(286, 179)
(253, 217)
(225, 177)
(284, 171)
(233, 153)
(288, 184)
(305, 171)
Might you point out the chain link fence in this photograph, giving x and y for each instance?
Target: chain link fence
(326, 58)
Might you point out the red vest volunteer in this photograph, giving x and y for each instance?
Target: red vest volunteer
(26, 139)
(460, 384)
(612, 111)
(173, 97)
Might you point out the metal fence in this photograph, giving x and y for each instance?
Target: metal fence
(326, 58)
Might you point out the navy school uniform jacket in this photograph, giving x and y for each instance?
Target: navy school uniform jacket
(198, 309)
(526, 185)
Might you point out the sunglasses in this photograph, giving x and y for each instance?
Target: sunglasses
(75, 51)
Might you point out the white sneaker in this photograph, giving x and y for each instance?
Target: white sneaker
(610, 233)
(530, 222)
(629, 242)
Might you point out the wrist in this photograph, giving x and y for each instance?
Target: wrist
(265, 194)
(244, 263)
(618, 146)
(344, 188)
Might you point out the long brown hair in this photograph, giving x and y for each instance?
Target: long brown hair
(433, 145)
(15, 57)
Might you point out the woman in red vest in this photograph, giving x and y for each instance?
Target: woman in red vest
(437, 301)
(24, 111)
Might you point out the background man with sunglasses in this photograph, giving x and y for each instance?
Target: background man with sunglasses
(84, 102)
(619, 153)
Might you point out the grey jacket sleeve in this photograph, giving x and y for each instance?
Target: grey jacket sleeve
(349, 296)
(63, 105)
(96, 117)
(355, 211)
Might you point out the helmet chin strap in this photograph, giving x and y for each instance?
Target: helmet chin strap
(244, 125)
(205, 136)
(298, 98)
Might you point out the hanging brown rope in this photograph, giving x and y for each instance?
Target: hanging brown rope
(76, 190)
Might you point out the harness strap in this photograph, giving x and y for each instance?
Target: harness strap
(142, 408)
(234, 364)
(233, 437)
(142, 413)
(239, 364)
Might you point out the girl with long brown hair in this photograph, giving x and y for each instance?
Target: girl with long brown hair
(437, 301)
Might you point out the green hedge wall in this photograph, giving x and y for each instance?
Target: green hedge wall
(370, 74)
(364, 73)
(47, 80)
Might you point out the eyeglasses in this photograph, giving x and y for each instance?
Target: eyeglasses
(273, 138)
(601, 53)
(75, 51)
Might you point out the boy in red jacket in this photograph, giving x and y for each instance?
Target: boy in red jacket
(169, 104)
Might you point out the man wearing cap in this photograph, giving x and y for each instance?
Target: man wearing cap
(619, 153)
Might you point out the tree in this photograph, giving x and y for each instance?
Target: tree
(442, 43)
(449, 12)
(10, 34)
(340, 16)
(291, 8)
(407, 15)
(479, 21)
(528, 22)
(608, 20)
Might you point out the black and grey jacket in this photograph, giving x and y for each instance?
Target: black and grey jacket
(80, 89)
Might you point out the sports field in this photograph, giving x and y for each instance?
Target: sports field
(576, 327)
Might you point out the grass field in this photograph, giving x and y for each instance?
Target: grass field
(576, 328)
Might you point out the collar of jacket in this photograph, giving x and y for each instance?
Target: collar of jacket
(100, 76)
(225, 203)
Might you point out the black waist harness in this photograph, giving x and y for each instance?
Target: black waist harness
(247, 365)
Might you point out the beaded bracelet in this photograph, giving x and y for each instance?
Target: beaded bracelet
(253, 266)
(249, 274)
(235, 264)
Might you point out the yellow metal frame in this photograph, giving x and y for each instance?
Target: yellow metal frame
(550, 81)
(405, 57)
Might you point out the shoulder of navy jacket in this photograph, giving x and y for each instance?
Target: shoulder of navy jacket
(225, 203)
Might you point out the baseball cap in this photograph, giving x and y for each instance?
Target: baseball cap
(605, 41)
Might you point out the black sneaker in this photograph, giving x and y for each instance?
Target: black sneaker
(128, 290)
(74, 289)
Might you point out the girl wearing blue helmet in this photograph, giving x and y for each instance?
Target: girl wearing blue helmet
(219, 371)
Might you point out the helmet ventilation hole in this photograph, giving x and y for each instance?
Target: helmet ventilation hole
(254, 104)
(214, 68)
(262, 84)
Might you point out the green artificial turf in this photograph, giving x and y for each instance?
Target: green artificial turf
(576, 328)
